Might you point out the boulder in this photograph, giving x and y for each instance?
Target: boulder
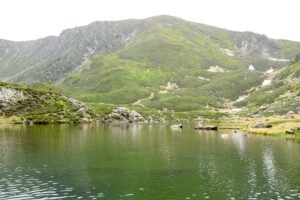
(289, 115)
(261, 125)
(125, 115)
(293, 130)
(83, 113)
(202, 127)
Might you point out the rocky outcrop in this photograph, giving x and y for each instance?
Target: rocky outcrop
(74, 102)
(11, 95)
(122, 114)
(33, 106)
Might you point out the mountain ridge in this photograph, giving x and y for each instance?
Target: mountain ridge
(125, 61)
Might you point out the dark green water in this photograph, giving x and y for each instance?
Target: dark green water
(144, 162)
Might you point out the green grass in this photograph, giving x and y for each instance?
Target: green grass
(283, 121)
(41, 106)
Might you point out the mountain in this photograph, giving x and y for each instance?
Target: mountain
(160, 62)
(280, 96)
(20, 104)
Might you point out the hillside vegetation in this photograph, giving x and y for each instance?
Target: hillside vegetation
(161, 62)
(21, 104)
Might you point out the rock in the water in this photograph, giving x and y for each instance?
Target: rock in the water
(176, 126)
(261, 125)
(202, 127)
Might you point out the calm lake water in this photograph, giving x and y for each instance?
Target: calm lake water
(144, 162)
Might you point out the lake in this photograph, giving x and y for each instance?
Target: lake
(144, 162)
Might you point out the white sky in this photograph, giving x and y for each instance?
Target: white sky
(32, 19)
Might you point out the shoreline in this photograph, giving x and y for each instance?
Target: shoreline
(279, 125)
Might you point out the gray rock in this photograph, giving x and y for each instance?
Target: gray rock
(293, 130)
(150, 120)
(83, 113)
(11, 95)
(125, 115)
(289, 115)
(261, 125)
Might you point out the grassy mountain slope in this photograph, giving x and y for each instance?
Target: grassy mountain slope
(159, 62)
(281, 96)
(40, 105)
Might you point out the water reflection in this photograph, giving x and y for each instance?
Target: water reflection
(239, 141)
(144, 162)
(269, 168)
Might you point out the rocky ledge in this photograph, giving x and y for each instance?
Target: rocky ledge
(122, 114)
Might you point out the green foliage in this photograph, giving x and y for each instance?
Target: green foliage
(291, 71)
(40, 106)
(135, 58)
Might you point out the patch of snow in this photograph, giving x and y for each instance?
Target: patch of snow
(241, 98)
(237, 110)
(267, 56)
(203, 78)
(278, 59)
(228, 52)
(270, 71)
(251, 68)
(266, 82)
(216, 68)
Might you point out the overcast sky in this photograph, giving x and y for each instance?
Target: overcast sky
(32, 19)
